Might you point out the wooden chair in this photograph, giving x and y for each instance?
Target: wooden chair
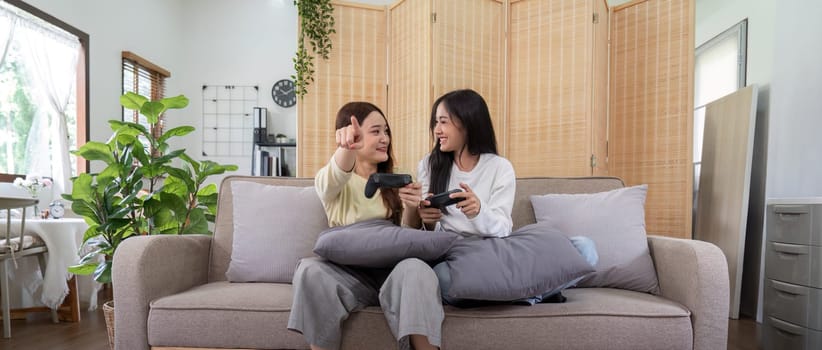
(16, 246)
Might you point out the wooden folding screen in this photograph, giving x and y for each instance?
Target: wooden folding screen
(355, 71)
(651, 108)
(468, 52)
(554, 86)
(550, 121)
(409, 80)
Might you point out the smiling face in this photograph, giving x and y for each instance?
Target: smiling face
(376, 138)
(448, 131)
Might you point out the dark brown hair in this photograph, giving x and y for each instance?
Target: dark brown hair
(361, 110)
(470, 109)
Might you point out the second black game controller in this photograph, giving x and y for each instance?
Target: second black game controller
(385, 180)
(442, 200)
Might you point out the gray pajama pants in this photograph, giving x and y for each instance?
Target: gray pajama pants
(326, 293)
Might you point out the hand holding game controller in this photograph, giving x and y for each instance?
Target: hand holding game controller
(442, 200)
(385, 180)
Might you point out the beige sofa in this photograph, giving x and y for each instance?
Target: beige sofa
(171, 292)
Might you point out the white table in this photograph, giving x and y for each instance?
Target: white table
(63, 237)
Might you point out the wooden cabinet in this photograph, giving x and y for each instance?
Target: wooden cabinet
(574, 88)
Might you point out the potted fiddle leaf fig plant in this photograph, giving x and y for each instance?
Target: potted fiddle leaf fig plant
(144, 189)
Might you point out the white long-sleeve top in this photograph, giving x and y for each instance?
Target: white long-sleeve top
(494, 182)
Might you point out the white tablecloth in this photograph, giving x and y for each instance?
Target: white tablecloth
(63, 237)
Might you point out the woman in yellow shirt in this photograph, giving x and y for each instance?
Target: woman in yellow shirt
(326, 293)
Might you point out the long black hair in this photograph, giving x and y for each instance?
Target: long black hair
(361, 110)
(470, 109)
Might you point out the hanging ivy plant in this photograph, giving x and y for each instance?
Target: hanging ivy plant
(316, 25)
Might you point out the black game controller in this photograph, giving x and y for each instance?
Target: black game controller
(385, 180)
(442, 200)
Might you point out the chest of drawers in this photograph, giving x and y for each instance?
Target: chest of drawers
(793, 275)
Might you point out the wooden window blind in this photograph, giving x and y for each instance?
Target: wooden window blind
(142, 77)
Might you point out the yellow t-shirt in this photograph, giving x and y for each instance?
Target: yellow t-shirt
(343, 196)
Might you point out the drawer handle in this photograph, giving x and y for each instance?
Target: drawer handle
(790, 209)
(790, 249)
(785, 288)
(787, 327)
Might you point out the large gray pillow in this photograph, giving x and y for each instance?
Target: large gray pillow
(531, 261)
(379, 243)
(615, 221)
(274, 227)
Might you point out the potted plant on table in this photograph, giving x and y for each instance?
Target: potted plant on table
(144, 189)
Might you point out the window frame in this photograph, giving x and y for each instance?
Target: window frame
(158, 75)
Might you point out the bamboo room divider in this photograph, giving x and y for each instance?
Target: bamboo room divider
(354, 71)
(651, 117)
(550, 120)
(557, 92)
(409, 81)
(468, 52)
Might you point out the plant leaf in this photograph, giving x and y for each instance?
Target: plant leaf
(152, 111)
(93, 150)
(178, 131)
(133, 101)
(176, 102)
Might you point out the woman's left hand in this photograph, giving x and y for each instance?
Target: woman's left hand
(411, 195)
(470, 203)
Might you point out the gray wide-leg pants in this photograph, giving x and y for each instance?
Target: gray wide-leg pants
(326, 293)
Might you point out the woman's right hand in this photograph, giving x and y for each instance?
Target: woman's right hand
(411, 194)
(428, 214)
(350, 137)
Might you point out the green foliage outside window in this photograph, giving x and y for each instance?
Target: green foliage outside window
(16, 116)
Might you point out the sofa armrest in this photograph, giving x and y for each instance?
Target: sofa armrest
(695, 274)
(147, 268)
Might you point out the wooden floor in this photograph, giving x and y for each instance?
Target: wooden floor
(38, 333)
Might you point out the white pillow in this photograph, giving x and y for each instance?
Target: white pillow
(615, 221)
(274, 227)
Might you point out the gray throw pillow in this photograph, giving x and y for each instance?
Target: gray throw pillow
(533, 260)
(615, 221)
(274, 227)
(379, 243)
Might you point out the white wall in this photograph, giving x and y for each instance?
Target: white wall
(795, 139)
(249, 42)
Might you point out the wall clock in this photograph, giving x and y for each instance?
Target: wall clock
(283, 93)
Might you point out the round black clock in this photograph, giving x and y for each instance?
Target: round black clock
(283, 93)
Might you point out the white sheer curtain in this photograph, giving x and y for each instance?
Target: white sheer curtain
(51, 64)
(7, 24)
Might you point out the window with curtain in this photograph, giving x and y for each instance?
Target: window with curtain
(39, 66)
(142, 77)
(719, 69)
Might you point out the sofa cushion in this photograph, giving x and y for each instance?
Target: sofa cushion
(613, 319)
(270, 236)
(255, 315)
(379, 243)
(615, 221)
(531, 261)
(225, 315)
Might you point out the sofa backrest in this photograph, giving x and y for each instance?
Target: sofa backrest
(523, 212)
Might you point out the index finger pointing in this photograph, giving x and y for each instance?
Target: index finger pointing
(354, 122)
